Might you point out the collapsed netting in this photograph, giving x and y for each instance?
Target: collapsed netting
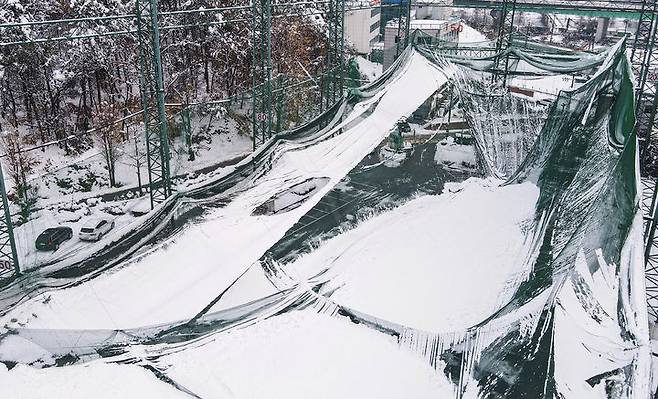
(575, 324)
(582, 277)
(504, 126)
(85, 344)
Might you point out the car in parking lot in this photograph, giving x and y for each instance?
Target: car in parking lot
(95, 228)
(51, 238)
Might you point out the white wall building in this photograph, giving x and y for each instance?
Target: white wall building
(434, 29)
(362, 26)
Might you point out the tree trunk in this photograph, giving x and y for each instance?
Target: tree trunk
(206, 72)
(12, 101)
(98, 87)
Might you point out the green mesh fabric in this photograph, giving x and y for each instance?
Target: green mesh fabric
(584, 267)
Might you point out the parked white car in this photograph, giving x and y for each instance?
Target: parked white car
(95, 228)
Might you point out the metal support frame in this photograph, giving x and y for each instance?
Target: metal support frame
(335, 63)
(648, 207)
(8, 253)
(402, 44)
(262, 115)
(504, 40)
(279, 99)
(152, 92)
(644, 61)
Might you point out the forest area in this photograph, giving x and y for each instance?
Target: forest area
(55, 92)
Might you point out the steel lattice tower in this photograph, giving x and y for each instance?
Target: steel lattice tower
(644, 61)
(335, 65)
(332, 83)
(152, 92)
(504, 40)
(262, 71)
(8, 254)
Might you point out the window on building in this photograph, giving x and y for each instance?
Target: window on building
(375, 11)
(375, 26)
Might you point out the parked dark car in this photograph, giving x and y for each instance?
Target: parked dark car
(51, 238)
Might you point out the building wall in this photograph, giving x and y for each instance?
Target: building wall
(362, 27)
(391, 9)
(435, 29)
(429, 12)
(390, 43)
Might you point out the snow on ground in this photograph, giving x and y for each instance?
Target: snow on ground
(455, 155)
(183, 275)
(95, 380)
(69, 187)
(547, 87)
(216, 138)
(73, 215)
(591, 325)
(304, 355)
(370, 70)
(420, 264)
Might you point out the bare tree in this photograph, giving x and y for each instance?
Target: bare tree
(136, 157)
(19, 163)
(107, 135)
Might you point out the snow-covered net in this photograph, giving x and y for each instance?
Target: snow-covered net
(571, 324)
(545, 58)
(576, 324)
(504, 125)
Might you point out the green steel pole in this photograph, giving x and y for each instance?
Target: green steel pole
(8, 226)
(407, 26)
(159, 80)
(152, 93)
(262, 72)
(187, 131)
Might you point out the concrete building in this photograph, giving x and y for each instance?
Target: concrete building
(431, 12)
(434, 29)
(391, 9)
(601, 29)
(362, 27)
(394, 9)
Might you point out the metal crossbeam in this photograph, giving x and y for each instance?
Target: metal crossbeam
(625, 8)
(152, 92)
(261, 118)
